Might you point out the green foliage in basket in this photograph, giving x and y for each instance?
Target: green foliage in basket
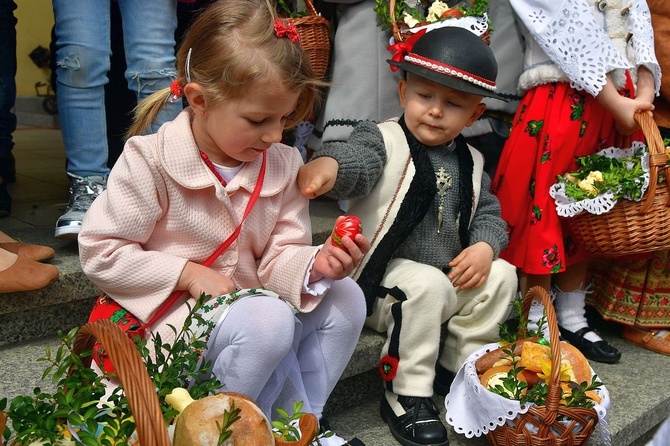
(76, 412)
(229, 417)
(516, 327)
(285, 10)
(598, 174)
(514, 388)
(511, 388)
(420, 13)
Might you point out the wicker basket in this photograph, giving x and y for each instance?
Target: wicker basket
(632, 227)
(400, 34)
(551, 424)
(138, 387)
(314, 33)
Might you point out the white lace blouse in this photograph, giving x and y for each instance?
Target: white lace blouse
(580, 41)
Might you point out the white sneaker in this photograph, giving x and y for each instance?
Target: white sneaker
(83, 191)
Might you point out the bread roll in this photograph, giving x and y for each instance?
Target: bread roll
(197, 423)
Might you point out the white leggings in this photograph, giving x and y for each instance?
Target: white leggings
(266, 352)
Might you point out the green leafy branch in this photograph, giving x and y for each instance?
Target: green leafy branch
(77, 409)
(624, 177)
(512, 387)
(284, 427)
(229, 417)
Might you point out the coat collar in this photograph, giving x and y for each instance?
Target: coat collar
(179, 155)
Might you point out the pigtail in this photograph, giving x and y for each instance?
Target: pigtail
(147, 110)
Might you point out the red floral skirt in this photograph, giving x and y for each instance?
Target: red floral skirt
(553, 125)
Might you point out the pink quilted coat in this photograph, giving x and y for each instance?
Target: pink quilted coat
(163, 206)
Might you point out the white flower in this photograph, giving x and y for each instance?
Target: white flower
(409, 20)
(436, 10)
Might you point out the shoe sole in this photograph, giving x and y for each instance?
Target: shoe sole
(67, 233)
(399, 438)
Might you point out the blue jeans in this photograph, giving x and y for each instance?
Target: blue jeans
(82, 59)
(7, 74)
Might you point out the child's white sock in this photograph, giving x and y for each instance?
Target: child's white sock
(571, 312)
(534, 314)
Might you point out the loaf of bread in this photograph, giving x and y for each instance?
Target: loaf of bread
(197, 424)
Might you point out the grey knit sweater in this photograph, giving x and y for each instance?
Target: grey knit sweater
(361, 160)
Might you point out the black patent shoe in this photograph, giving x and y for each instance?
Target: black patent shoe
(443, 380)
(600, 351)
(420, 425)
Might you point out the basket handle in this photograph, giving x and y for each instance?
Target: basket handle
(395, 29)
(310, 7)
(554, 392)
(657, 155)
(132, 374)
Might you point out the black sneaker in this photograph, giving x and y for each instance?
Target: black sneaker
(420, 425)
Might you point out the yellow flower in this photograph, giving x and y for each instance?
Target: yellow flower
(587, 184)
(566, 373)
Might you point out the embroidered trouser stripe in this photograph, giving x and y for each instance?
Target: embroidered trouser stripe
(394, 337)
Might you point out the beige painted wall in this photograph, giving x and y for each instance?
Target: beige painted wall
(35, 20)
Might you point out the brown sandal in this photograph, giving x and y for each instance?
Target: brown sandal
(27, 275)
(648, 339)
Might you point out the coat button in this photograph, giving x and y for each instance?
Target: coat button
(231, 258)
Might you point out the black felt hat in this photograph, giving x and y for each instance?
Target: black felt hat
(453, 57)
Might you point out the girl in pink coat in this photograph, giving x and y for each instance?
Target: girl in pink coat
(175, 196)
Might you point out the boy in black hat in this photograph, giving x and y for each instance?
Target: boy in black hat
(435, 230)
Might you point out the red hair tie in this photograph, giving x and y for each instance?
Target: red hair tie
(402, 49)
(287, 30)
(176, 90)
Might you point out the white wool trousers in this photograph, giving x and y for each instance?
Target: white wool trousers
(264, 351)
(420, 300)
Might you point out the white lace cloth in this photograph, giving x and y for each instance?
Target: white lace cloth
(473, 411)
(574, 35)
(476, 25)
(569, 207)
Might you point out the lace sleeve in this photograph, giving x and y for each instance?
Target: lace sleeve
(570, 35)
(643, 42)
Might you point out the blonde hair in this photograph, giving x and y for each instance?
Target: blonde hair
(233, 45)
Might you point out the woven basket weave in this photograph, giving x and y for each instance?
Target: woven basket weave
(551, 424)
(632, 227)
(139, 389)
(314, 33)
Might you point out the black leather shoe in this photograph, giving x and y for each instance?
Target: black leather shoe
(420, 425)
(600, 351)
(443, 380)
